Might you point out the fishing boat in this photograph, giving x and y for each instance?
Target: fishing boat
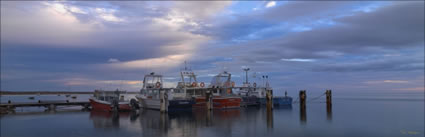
(221, 90)
(152, 92)
(260, 93)
(282, 101)
(248, 96)
(110, 101)
(247, 93)
(183, 96)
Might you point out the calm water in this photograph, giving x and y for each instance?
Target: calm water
(373, 115)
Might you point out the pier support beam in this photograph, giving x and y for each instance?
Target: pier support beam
(51, 107)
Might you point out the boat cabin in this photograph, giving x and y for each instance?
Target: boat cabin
(108, 96)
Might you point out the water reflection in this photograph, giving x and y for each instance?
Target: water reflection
(329, 112)
(244, 122)
(269, 119)
(103, 119)
(303, 115)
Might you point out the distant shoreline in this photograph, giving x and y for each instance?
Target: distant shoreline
(49, 92)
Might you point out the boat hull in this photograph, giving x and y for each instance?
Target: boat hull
(150, 103)
(181, 104)
(280, 101)
(172, 104)
(106, 106)
(220, 102)
(249, 101)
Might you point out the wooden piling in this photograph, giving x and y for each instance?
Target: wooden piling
(269, 119)
(209, 118)
(303, 98)
(209, 100)
(269, 99)
(164, 99)
(329, 104)
(328, 97)
(51, 107)
(303, 112)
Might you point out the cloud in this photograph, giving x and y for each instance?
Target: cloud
(420, 89)
(387, 28)
(270, 4)
(387, 81)
(113, 60)
(88, 45)
(298, 60)
(162, 62)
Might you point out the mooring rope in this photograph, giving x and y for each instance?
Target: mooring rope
(296, 100)
(315, 98)
(312, 99)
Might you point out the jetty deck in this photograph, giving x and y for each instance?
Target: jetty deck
(51, 105)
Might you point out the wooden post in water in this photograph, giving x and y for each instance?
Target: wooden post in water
(209, 118)
(328, 97)
(303, 98)
(269, 99)
(164, 99)
(329, 104)
(52, 107)
(209, 100)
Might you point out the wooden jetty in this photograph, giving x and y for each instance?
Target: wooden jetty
(52, 92)
(50, 105)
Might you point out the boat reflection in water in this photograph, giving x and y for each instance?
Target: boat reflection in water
(107, 120)
(175, 123)
(102, 119)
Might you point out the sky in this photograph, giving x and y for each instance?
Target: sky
(348, 46)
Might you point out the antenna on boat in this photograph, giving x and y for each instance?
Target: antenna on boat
(246, 75)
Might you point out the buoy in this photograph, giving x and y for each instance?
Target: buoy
(158, 84)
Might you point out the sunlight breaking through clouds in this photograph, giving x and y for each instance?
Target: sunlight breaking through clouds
(287, 40)
(271, 4)
(299, 60)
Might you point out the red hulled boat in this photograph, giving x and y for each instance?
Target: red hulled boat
(109, 101)
(221, 89)
(220, 102)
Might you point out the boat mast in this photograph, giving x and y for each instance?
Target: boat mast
(246, 75)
